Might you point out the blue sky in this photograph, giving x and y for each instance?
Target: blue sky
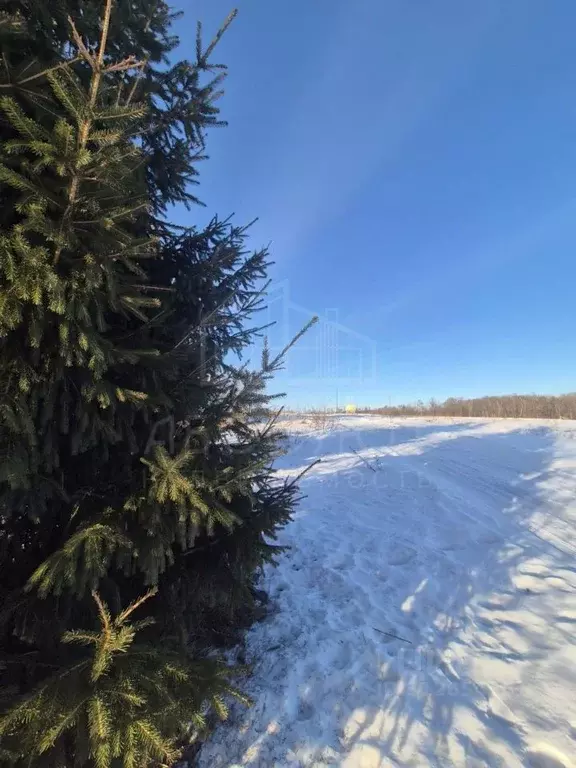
(413, 166)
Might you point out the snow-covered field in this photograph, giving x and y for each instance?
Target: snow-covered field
(426, 614)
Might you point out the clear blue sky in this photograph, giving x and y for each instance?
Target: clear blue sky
(413, 165)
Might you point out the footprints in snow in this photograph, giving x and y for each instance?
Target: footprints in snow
(362, 578)
(401, 555)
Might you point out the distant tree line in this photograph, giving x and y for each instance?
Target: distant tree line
(501, 406)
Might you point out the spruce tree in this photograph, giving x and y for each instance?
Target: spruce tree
(137, 497)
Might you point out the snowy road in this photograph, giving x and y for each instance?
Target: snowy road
(426, 613)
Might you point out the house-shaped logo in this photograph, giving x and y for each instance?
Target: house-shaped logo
(329, 351)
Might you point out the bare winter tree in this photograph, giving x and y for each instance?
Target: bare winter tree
(494, 406)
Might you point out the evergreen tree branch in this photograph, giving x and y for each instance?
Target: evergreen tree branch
(96, 63)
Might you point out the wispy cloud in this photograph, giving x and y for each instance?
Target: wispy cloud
(381, 75)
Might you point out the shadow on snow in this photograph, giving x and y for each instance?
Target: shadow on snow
(400, 549)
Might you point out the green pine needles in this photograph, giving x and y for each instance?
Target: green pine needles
(137, 497)
(118, 703)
